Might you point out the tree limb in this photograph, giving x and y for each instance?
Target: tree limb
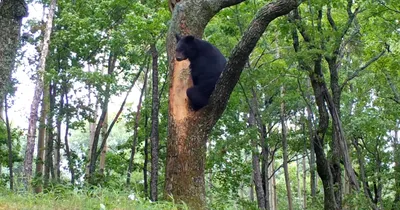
(220, 4)
(240, 53)
(356, 72)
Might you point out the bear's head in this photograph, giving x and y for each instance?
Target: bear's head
(185, 47)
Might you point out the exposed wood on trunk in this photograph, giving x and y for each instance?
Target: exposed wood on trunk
(154, 138)
(33, 117)
(188, 131)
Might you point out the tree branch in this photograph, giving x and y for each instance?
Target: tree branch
(220, 4)
(396, 94)
(356, 72)
(240, 53)
(329, 15)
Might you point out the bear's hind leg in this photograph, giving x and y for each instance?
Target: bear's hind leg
(196, 97)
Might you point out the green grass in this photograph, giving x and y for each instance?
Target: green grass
(77, 200)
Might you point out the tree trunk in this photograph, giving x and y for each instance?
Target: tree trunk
(67, 149)
(9, 143)
(41, 138)
(146, 159)
(304, 175)
(273, 197)
(285, 153)
(33, 117)
(11, 14)
(154, 138)
(103, 153)
(49, 169)
(94, 153)
(396, 149)
(57, 148)
(188, 130)
(256, 168)
(135, 129)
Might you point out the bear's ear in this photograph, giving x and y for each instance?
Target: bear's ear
(177, 37)
(190, 38)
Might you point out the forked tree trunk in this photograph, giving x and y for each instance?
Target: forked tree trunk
(33, 117)
(188, 130)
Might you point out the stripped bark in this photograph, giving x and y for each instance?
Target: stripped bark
(188, 130)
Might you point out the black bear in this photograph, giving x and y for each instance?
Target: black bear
(206, 65)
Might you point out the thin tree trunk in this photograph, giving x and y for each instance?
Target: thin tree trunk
(112, 59)
(304, 175)
(396, 149)
(256, 168)
(41, 140)
(154, 127)
(33, 117)
(272, 187)
(11, 14)
(135, 129)
(67, 149)
(146, 159)
(9, 143)
(102, 165)
(285, 153)
(49, 169)
(57, 148)
(298, 180)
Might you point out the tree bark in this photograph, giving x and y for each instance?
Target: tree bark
(33, 117)
(188, 131)
(154, 138)
(11, 14)
(41, 141)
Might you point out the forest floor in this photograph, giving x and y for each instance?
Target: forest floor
(104, 200)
